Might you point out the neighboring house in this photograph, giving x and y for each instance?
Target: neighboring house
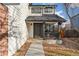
(17, 30)
(3, 30)
(67, 27)
(41, 20)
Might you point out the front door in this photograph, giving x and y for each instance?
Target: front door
(38, 30)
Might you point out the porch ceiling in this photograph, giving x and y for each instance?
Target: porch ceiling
(48, 18)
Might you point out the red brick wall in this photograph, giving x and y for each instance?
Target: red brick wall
(3, 30)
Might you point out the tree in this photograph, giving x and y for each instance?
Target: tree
(66, 9)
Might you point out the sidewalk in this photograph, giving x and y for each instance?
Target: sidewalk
(36, 48)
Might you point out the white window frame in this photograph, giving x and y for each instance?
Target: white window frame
(37, 8)
(49, 9)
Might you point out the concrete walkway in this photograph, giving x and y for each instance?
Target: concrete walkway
(36, 48)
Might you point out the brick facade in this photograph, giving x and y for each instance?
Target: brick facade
(3, 30)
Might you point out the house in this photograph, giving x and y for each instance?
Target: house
(38, 18)
(17, 30)
(41, 20)
(3, 30)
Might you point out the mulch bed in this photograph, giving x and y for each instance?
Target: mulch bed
(58, 50)
(23, 50)
(72, 43)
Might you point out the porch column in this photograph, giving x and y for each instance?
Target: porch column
(59, 28)
(44, 30)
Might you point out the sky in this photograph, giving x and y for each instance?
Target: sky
(74, 10)
(60, 10)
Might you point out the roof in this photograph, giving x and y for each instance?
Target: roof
(41, 4)
(49, 18)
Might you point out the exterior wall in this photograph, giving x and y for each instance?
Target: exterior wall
(39, 14)
(3, 30)
(11, 29)
(67, 27)
(30, 29)
(23, 27)
(17, 29)
(30, 14)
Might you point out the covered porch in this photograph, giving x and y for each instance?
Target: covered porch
(44, 26)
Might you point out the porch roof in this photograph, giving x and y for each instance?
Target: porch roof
(48, 18)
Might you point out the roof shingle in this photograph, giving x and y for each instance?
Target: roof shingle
(45, 17)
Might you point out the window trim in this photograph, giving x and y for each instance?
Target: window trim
(38, 12)
(50, 10)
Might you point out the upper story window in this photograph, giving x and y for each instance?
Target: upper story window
(36, 10)
(48, 10)
(42, 10)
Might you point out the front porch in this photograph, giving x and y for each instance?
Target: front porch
(44, 26)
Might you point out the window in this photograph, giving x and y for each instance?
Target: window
(48, 10)
(39, 10)
(49, 27)
(36, 10)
